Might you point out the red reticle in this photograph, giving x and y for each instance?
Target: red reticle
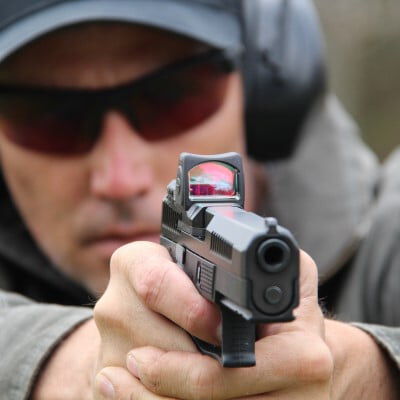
(213, 179)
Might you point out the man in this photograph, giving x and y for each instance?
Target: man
(88, 180)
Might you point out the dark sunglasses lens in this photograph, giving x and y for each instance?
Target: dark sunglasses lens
(177, 101)
(160, 106)
(48, 124)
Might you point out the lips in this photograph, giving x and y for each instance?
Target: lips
(105, 245)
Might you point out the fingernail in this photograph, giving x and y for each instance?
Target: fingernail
(132, 365)
(105, 387)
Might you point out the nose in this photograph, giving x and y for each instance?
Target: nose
(119, 162)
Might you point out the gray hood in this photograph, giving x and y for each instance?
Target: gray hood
(324, 194)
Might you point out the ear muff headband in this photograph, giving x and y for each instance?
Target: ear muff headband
(284, 73)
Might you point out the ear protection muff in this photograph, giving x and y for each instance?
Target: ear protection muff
(284, 73)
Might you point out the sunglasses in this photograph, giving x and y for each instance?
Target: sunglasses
(160, 105)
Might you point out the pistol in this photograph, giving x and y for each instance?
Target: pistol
(246, 264)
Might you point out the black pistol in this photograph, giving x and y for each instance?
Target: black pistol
(246, 264)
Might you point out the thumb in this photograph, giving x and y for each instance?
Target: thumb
(117, 383)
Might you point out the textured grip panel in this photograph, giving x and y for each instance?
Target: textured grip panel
(238, 337)
(205, 278)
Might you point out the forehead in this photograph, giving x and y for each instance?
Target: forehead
(85, 54)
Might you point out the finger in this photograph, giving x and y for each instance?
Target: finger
(308, 315)
(124, 323)
(165, 288)
(318, 391)
(308, 275)
(282, 361)
(117, 383)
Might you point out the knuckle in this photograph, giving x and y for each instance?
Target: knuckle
(107, 313)
(100, 310)
(149, 287)
(102, 313)
(139, 393)
(150, 374)
(316, 364)
(132, 253)
(197, 311)
(203, 384)
(119, 257)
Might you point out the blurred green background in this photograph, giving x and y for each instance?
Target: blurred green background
(363, 43)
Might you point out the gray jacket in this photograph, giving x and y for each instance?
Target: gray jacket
(326, 194)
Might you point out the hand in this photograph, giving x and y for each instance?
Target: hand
(293, 360)
(68, 373)
(362, 369)
(148, 301)
(124, 321)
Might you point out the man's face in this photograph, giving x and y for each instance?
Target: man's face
(81, 208)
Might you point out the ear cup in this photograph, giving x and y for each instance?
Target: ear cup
(284, 73)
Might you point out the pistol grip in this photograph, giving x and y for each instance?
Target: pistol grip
(238, 337)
